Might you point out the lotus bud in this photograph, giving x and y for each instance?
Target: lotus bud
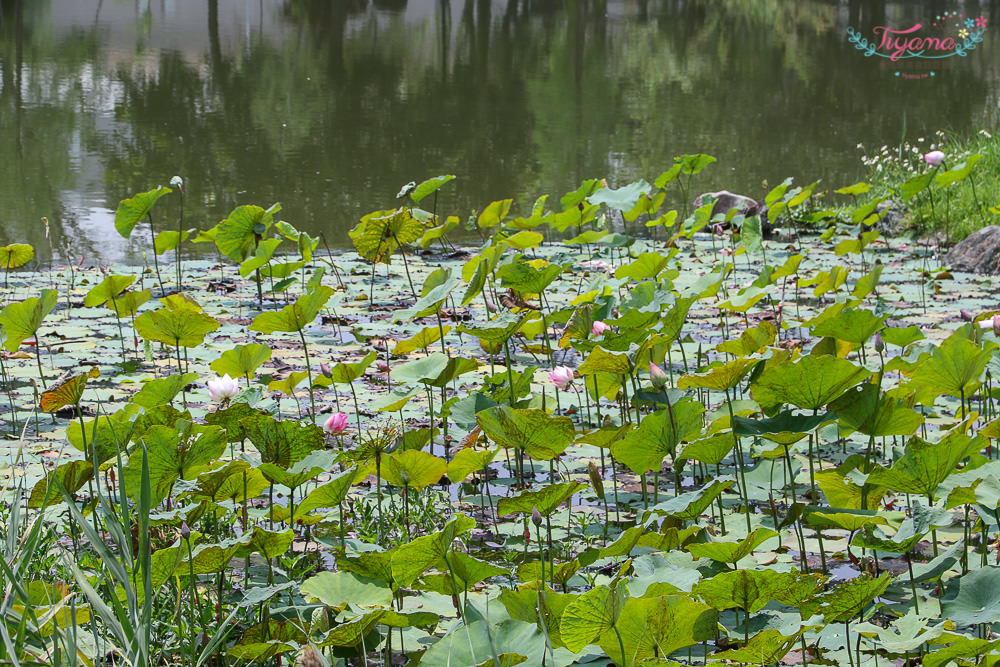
(996, 325)
(657, 376)
(879, 344)
(221, 389)
(336, 424)
(562, 376)
(536, 517)
(595, 480)
(177, 183)
(325, 370)
(934, 158)
(966, 315)
(185, 530)
(598, 328)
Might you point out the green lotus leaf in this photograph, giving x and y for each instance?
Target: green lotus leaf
(267, 543)
(161, 391)
(953, 369)
(751, 341)
(658, 434)
(764, 648)
(295, 316)
(601, 360)
(867, 410)
(411, 560)
(107, 289)
(465, 573)
(105, 436)
(524, 278)
(924, 465)
(282, 442)
(16, 255)
(732, 552)
(420, 340)
(690, 505)
(132, 210)
(546, 500)
(494, 213)
(496, 330)
(237, 236)
(413, 468)
(849, 599)
(720, 378)
(654, 627)
(592, 614)
(241, 360)
(436, 370)
(70, 476)
(177, 324)
(542, 436)
(172, 455)
(22, 320)
(262, 255)
(302, 471)
(381, 233)
(468, 461)
(540, 607)
(851, 325)
(430, 186)
(809, 383)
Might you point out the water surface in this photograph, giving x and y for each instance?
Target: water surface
(329, 107)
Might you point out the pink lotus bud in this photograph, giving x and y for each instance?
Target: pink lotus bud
(562, 376)
(966, 315)
(222, 388)
(325, 370)
(934, 158)
(598, 328)
(536, 517)
(657, 376)
(336, 424)
(996, 325)
(879, 343)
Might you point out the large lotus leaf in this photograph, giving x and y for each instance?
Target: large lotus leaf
(242, 360)
(690, 505)
(848, 599)
(282, 442)
(436, 370)
(354, 631)
(974, 597)
(592, 614)
(946, 177)
(711, 450)
(647, 265)
(411, 560)
(262, 255)
(849, 521)
(230, 419)
(966, 649)
(132, 210)
(228, 482)
(420, 340)
(295, 316)
(261, 643)
(525, 277)
(70, 476)
(906, 634)
(468, 461)
(658, 434)
(842, 492)
(237, 236)
(173, 454)
(267, 543)
(288, 384)
(107, 289)
(345, 373)
(381, 233)
(327, 495)
(853, 326)
(869, 411)
(67, 392)
(751, 341)
(413, 468)
(465, 572)
(494, 213)
(16, 254)
(764, 648)
(300, 472)
(429, 186)
(541, 435)
(545, 500)
(161, 391)
(622, 199)
(657, 626)
(954, 369)
(480, 641)
(177, 327)
(21, 320)
(497, 330)
(105, 436)
(541, 607)
(902, 336)
(601, 360)
(369, 564)
(127, 304)
(721, 378)
(870, 537)
(732, 552)
(783, 426)
(809, 383)
(924, 465)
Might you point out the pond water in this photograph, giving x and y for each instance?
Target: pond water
(330, 106)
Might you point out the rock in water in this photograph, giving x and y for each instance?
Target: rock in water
(979, 253)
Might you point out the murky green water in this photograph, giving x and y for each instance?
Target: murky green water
(330, 106)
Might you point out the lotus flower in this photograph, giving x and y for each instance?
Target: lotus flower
(562, 376)
(336, 424)
(657, 376)
(599, 327)
(222, 388)
(934, 158)
(879, 343)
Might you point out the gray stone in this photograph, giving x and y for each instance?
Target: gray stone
(893, 218)
(726, 200)
(979, 253)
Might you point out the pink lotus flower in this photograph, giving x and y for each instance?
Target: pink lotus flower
(599, 327)
(657, 376)
(934, 158)
(222, 388)
(336, 424)
(562, 376)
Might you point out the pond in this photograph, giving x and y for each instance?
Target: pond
(330, 107)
